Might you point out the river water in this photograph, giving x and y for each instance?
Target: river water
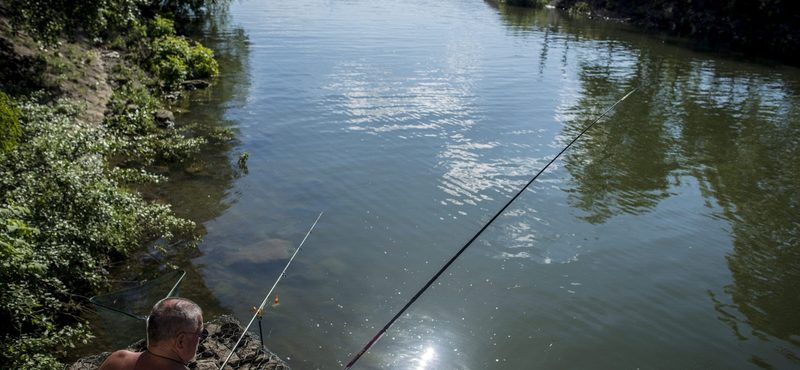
(665, 238)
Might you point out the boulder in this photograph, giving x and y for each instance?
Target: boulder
(165, 118)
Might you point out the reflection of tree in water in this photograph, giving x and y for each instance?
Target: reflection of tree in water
(735, 131)
(738, 136)
(623, 164)
(735, 128)
(748, 149)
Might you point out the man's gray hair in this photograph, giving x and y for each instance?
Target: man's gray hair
(170, 317)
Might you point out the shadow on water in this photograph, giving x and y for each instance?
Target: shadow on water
(735, 133)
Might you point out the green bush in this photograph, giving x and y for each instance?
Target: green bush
(28, 302)
(161, 27)
(138, 139)
(132, 107)
(202, 62)
(48, 20)
(64, 218)
(580, 7)
(64, 215)
(172, 71)
(9, 124)
(175, 61)
(167, 46)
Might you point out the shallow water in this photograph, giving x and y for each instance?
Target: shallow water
(666, 237)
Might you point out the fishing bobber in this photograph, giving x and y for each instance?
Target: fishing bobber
(276, 299)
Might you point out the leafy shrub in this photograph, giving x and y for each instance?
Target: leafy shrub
(9, 124)
(26, 293)
(47, 20)
(62, 218)
(172, 70)
(164, 47)
(137, 137)
(201, 61)
(579, 8)
(174, 60)
(161, 27)
(132, 108)
(64, 215)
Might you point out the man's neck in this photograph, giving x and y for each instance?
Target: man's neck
(163, 357)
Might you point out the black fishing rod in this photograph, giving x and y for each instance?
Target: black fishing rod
(382, 332)
(264, 303)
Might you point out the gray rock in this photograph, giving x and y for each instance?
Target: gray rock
(223, 332)
(165, 118)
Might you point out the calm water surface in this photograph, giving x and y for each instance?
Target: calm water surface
(666, 238)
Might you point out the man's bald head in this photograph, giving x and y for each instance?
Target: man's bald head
(172, 316)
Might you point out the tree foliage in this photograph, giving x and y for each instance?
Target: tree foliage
(174, 60)
(138, 138)
(763, 26)
(63, 217)
(48, 20)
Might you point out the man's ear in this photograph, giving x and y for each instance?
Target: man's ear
(180, 340)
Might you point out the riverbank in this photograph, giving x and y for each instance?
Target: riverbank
(84, 120)
(212, 353)
(759, 29)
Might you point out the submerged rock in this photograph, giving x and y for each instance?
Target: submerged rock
(260, 252)
(195, 84)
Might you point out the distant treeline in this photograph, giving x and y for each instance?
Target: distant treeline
(766, 28)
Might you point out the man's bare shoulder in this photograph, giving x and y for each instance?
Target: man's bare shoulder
(120, 360)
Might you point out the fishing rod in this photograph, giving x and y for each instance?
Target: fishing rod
(264, 302)
(382, 332)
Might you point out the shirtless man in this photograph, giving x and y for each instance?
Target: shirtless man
(174, 330)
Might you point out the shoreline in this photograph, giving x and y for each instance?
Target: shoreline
(772, 36)
(769, 35)
(223, 333)
(93, 86)
(87, 117)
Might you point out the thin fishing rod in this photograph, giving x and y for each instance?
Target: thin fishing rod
(446, 265)
(264, 302)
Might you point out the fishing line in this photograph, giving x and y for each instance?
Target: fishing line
(382, 332)
(263, 303)
(547, 352)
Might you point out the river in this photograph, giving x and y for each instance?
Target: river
(665, 238)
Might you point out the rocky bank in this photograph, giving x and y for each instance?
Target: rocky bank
(223, 333)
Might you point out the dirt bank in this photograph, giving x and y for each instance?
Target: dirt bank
(73, 70)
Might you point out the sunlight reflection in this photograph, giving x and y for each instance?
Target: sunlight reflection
(426, 358)
(376, 99)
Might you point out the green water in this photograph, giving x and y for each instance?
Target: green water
(665, 238)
